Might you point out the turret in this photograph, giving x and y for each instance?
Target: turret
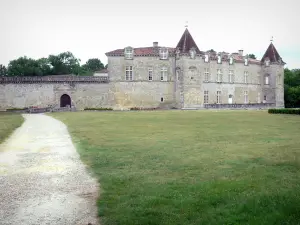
(273, 77)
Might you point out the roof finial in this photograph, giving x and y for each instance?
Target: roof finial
(271, 39)
(186, 24)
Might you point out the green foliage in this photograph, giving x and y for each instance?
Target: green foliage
(90, 67)
(98, 109)
(252, 56)
(284, 111)
(8, 123)
(292, 88)
(64, 63)
(24, 66)
(3, 70)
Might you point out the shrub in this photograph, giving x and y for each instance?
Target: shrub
(284, 111)
(98, 109)
(16, 109)
(138, 108)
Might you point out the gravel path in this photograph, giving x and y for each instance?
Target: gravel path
(42, 180)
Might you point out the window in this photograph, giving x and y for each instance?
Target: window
(219, 75)
(205, 97)
(150, 74)
(128, 53)
(265, 98)
(128, 75)
(206, 74)
(193, 53)
(206, 58)
(163, 74)
(230, 78)
(219, 59)
(246, 62)
(258, 97)
(267, 62)
(230, 60)
(218, 97)
(246, 77)
(161, 99)
(279, 79)
(163, 52)
(178, 74)
(246, 96)
(267, 80)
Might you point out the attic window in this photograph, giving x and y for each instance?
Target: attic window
(219, 59)
(128, 53)
(206, 58)
(267, 62)
(193, 53)
(163, 52)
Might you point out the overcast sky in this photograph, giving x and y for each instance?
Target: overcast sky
(89, 28)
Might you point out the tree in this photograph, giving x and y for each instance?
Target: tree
(106, 66)
(64, 63)
(94, 65)
(45, 66)
(24, 66)
(292, 88)
(3, 70)
(252, 56)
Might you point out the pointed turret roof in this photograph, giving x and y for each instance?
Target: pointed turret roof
(272, 54)
(187, 42)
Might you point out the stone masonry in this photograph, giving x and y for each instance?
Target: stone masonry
(183, 77)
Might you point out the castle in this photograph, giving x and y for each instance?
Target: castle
(182, 77)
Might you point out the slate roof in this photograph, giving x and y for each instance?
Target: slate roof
(272, 54)
(187, 42)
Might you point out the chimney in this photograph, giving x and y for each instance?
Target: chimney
(241, 52)
(155, 44)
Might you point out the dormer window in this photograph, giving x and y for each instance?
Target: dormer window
(267, 62)
(219, 59)
(163, 53)
(230, 60)
(128, 53)
(206, 58)
(246, 62)
(193, 53)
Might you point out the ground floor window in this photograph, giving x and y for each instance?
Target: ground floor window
(218, 97)
(205, 97)
(246, 96)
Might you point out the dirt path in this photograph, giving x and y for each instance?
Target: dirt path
(42, 180)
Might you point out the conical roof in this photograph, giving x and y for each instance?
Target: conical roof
(272, 54)
(187, 42)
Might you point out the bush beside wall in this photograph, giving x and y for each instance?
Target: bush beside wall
(98, 109)
(284, 111)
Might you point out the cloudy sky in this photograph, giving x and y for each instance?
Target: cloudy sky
(89, 28)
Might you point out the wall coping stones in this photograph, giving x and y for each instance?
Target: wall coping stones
(55, 79)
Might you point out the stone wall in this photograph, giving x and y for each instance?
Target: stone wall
(26, 92)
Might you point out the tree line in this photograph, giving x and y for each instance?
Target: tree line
(61, 64)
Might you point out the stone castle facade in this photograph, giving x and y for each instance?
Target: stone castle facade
(183, 77)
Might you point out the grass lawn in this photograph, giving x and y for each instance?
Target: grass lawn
(8, 123)
(192, 167)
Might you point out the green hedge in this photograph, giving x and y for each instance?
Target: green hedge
(98, 109)
(284, 111)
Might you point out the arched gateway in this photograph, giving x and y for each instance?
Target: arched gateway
(65, 100)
